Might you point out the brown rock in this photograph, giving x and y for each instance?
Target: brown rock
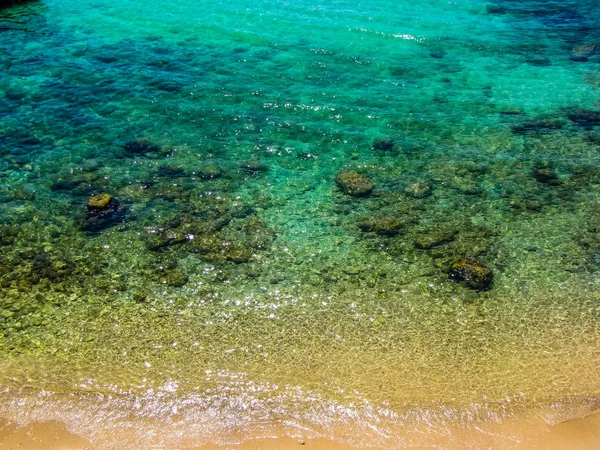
(354, 183)
(383, 226)
(472, 273)
(99, 202)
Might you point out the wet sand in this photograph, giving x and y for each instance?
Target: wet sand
(578, 434)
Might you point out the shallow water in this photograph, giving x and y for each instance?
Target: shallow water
(238, 282)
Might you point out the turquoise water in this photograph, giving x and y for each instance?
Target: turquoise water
(236, 274)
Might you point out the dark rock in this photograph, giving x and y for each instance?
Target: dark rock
(101, 204)
(140, 147)
(472, 273)
(7, 236)
(585, 118)
(15, 94)
(106, 58)
(585, 174)
(494, 9)
(48, 267)
(257, 234)
(240, 211)
(170, 171)
(140, 297)
(546, 175)
(564, 18)
(538, 126)
(78, 183)
(8, 3)
(592, 138)
(539, 62)
(103, 211)
(168, 238)
(524, 204)
(384, 144)
(166, 85)
(206, 243)
(512, 112)
(63, 185)
(218, 251)
(576, 58)
(221, 223)
(437, 54)
(435, 239)
(383, 226)
(354, 183)
(170, 277)
(238, 254)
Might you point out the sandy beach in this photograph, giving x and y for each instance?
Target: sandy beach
(518, 434)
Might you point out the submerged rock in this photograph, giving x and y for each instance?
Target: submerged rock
(103, 211)
(579, 58)
(168, 238)
(238, 254)
(384, 144)
(525, 204)
(171, 277)
(217, 250)
(383, 226)
(512, 111)
(101, 204)
(465, 186)
(585, 118)
(435, 239)
(592, 138)
(581, 53)
(140, 147)
(7, 236)
(254, 166)
(546, 175)
(537, 126)
(50, 267)
(140, 297)
(354, 183)
(418, 190)
(437, 54)
(472, 273)
(170, 171)
(209, 172)
(539, 62)
(495, 9)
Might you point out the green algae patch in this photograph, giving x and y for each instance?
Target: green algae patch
(99, 202)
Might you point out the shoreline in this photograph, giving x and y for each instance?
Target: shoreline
(76, 421)
(574, 434)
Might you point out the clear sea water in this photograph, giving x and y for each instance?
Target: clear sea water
(239, 291)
